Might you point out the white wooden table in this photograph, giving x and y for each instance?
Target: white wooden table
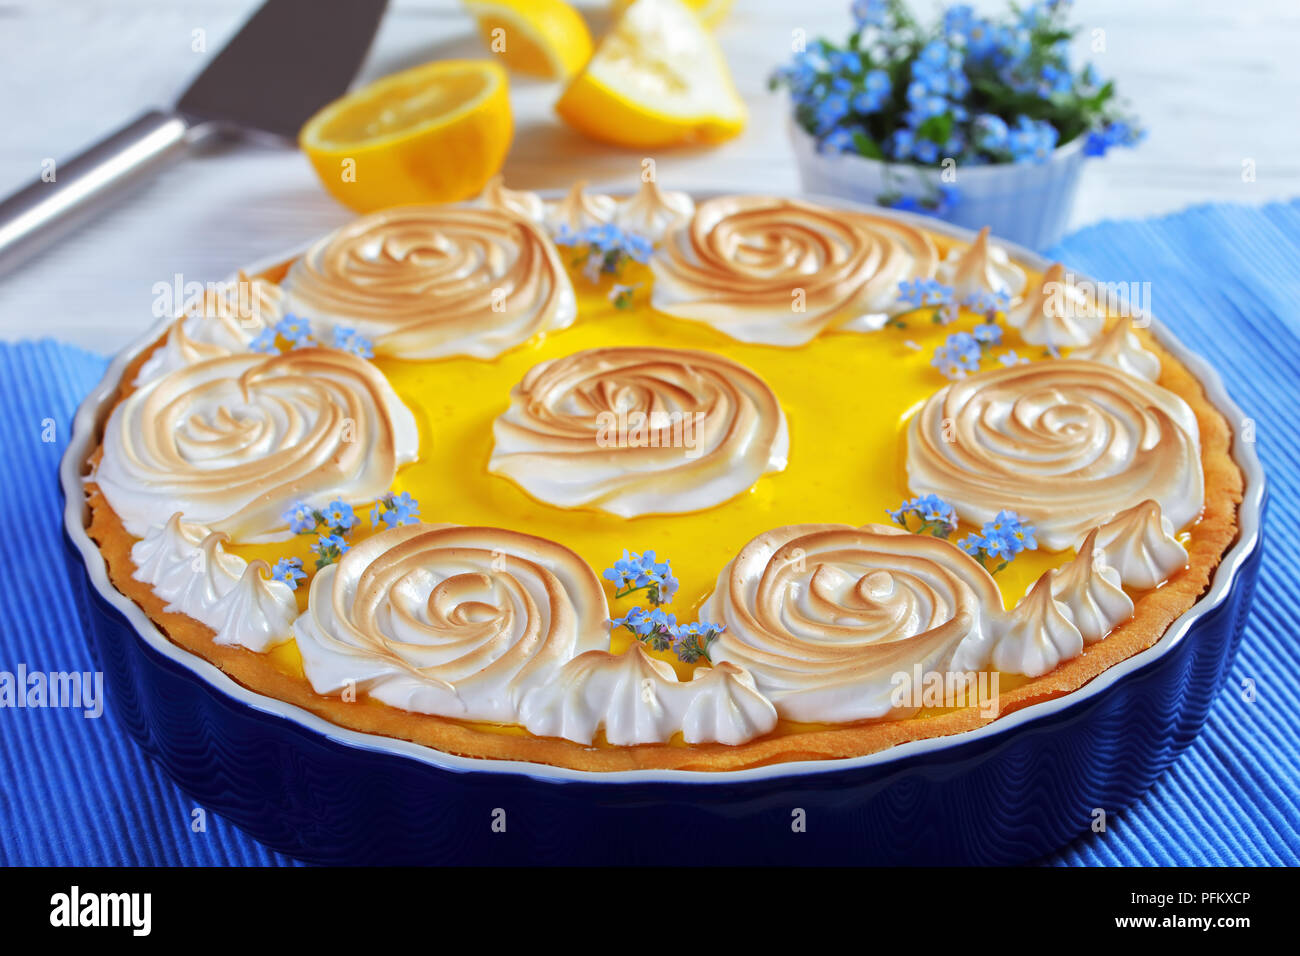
(1218, 84)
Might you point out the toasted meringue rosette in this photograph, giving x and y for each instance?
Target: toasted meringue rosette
(426, 282)
(780, 271)
(1064, 444)
(450, 620)
(827, 617)
(233, 442)
(639, 430)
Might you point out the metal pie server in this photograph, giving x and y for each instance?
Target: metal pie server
(290, 59)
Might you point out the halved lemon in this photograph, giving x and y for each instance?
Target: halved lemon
(546, 38)
(711, 12)
(434, 133)
(657, 79)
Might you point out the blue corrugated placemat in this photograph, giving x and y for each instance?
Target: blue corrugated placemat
(1225, 278)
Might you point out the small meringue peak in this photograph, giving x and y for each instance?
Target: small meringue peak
(1056, 314)
(981, 268)
(529, 205)
(1036, 635)
(1139, 543)
(187, 565)
(637, 699)
(1122, 349)
(1089, 591)
(213, 573)
(449, 620)
(580, 209)
(652, 212)
(257, 612)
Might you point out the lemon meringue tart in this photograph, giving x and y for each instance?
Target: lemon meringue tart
(660, 481)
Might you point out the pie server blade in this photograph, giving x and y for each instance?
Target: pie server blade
(290, 59)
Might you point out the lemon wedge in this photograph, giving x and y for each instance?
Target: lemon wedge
(546, 38)
(711, 12)
(434, 133)
(657, 79)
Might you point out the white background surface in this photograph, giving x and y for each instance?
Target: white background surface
(1217, 82)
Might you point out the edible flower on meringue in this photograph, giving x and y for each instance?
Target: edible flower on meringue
(604, 249)
(337, 517)
(303, 519)
(963, 351)
(265, 342)
(987, 304)
(659, 630)
(350, 340)
(329, 548)
(655, 627)
(293, 328)
(693, 640)
(1006, 536)
(288, 571)
(937, 517)
(392, 510)
(960, 353)
(920, 292)
(642, 572)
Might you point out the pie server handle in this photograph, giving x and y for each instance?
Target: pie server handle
(69, 192)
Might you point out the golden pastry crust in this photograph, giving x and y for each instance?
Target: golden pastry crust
(1154, 612)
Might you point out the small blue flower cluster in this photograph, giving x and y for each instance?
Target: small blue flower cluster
(988, 304)
(332, 524)
(288, 571)
(834, 94)
(936, 516)
(1116, 133)
(350, 340)
(604, 249)
(1027, 141)
(656, 627)
(336, 518)
(297, 332)
(971, 88)
(392, 510)
(962, 352)
(1006, 536)
(934, 107)
(643, 572)
(922, 292)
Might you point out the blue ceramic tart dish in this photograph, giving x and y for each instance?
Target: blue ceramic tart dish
(1007, 792)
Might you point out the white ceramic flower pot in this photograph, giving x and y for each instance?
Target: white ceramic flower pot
(1026, 203)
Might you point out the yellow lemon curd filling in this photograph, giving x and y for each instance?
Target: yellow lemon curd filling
(847, 398)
